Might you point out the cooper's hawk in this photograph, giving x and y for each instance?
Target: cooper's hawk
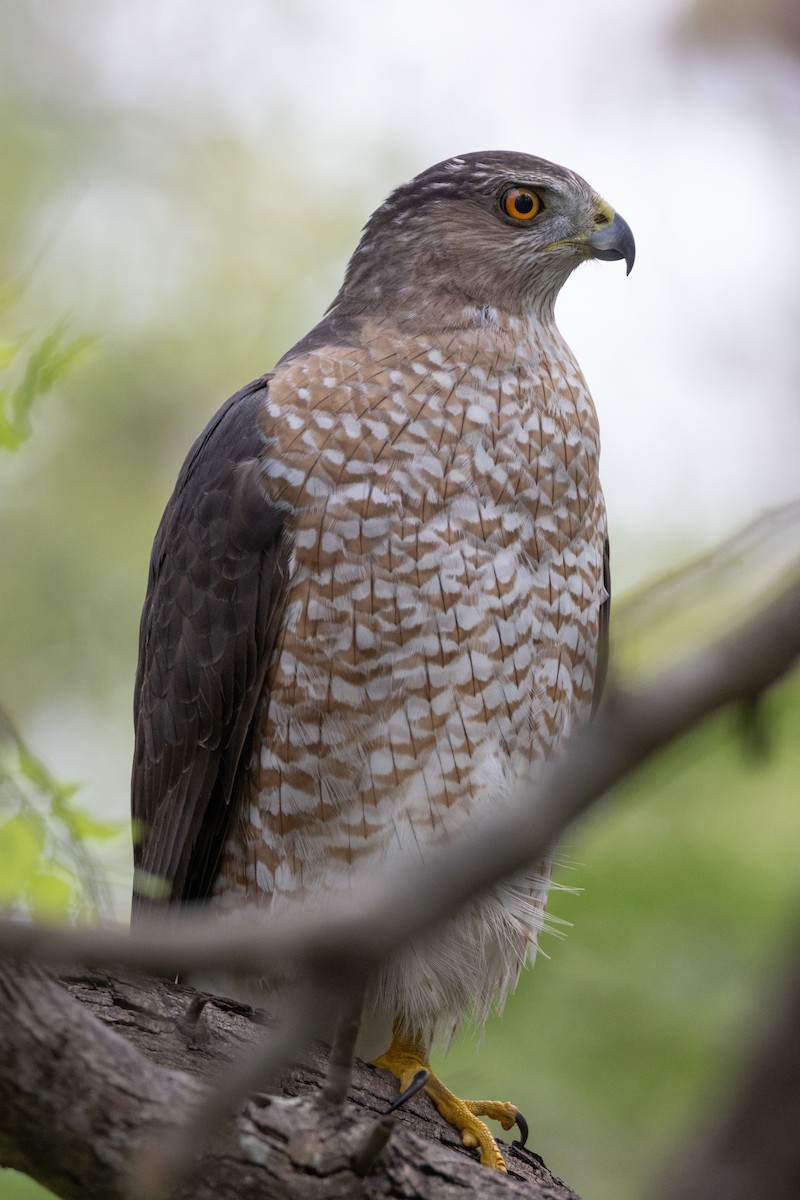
(379, 591)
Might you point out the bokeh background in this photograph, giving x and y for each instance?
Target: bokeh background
(184, 181)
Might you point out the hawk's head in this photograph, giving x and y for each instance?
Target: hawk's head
(492, 228)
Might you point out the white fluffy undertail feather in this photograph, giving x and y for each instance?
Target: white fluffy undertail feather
(468, 967)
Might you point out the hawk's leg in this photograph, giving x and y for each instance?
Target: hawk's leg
(406, 1058)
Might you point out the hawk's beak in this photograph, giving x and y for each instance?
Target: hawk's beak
(612, 241)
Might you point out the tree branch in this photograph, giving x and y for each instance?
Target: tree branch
(773, 536)
(81, 1105)
(385, 913)
(169, 1158)
(124, 1101)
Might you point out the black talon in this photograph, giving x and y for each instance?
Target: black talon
(522, 1126)
(416, 1085)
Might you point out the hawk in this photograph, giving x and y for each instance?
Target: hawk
(379, 592)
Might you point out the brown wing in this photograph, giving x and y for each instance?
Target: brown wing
(214, 603)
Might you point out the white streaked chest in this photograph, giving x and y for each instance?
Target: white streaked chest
(441, 623)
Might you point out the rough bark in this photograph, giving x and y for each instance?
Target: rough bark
(90, 1080)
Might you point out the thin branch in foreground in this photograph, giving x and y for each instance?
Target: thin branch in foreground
(365, 1159)
(170, 1160)
(378, 921)
(773, 536)
(167, 1163)
(379, 918)
(343, 1047)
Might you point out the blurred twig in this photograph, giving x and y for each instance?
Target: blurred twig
(168, 1160)
(774, 535)
(379, 918)
(352, 941)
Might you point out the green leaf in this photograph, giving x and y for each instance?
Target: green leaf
(51, 359)
(8, 352)
(47, 363)
(9, 436)
(22, 841)
(49, 894)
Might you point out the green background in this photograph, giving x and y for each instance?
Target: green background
(194, 246)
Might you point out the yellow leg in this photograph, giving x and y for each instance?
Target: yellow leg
(406, 1057)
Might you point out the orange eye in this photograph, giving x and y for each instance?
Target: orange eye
(521, 203)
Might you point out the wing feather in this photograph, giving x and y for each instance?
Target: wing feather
(214, 604)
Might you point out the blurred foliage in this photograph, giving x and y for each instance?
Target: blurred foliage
(46, 866)
(14, 1186)
(30, 368)
(47, 869)
(707, 597)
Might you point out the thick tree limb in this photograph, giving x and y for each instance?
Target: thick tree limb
(81, 1103)
(168, 1160)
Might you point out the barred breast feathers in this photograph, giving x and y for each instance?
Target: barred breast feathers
(440, 626)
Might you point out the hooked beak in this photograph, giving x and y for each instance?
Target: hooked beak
(613, 241)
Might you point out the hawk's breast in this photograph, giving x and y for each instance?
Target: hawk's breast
(441, 624)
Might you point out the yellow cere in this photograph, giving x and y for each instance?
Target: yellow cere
(604, 213)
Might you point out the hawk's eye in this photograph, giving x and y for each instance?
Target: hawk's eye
(521, 203)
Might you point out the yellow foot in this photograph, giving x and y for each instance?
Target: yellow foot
(405, 1058)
